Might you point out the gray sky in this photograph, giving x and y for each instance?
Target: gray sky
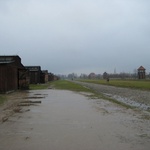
(80, 36)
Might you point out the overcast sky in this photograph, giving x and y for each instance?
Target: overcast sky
(80, 36)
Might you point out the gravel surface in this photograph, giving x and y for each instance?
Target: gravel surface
(132, 97)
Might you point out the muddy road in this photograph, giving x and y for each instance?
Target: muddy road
(67, 120)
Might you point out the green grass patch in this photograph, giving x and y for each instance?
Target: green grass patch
(67, 85)
(39, 86)
(60, 84)
(2, 99)
(135, 84)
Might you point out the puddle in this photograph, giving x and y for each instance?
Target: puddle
(86, 93)
(33, 97)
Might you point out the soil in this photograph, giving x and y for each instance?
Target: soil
(11, 104)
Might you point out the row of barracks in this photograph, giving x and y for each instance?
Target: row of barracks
(14, 75)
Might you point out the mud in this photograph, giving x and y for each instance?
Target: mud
(71, 121)
(11, 105)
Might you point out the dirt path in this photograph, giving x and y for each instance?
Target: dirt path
(137, 98)
(11, 104)
(71, 121)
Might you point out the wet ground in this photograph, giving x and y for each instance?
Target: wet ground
(132, 97)
(66, 120)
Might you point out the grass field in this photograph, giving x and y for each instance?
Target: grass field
(60, 84)
(136, 84)
(67, 85)
(39, 86)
